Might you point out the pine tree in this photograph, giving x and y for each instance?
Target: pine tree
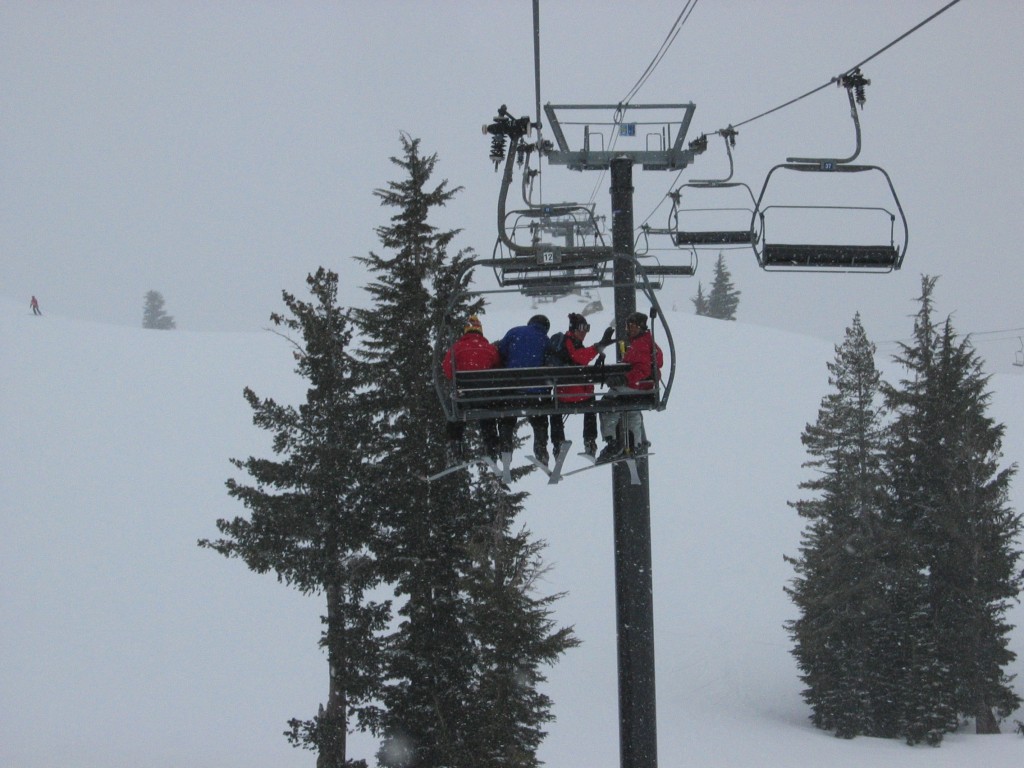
(949, 507)
(310, 521)
(153, 314)
(723, 298)
(700, 301)
(514, 635)
(839, 588)
(438, 658)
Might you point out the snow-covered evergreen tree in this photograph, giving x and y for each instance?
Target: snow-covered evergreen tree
(949, 508)
(700, 301)
(723, 299)
(311, 522)
(839, 588)
(442, 690)
(153, 314)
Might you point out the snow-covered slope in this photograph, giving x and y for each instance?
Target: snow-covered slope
(124, 644)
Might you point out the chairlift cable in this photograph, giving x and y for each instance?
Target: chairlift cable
(670, 38)
(906, 34)
(1002, 330)
(677, 26)
(972, 334)
(536, 87)
(836, 79)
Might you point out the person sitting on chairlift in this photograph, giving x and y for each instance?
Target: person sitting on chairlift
(646, 360)
(471, 352)
(568, 349)
(524, 347)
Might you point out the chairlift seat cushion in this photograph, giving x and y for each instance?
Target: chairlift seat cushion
(724, 237)
(673, 270)
(830, 256)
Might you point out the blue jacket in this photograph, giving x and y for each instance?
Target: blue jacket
(524, 346)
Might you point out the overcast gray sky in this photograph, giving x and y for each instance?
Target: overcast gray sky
(219, 152)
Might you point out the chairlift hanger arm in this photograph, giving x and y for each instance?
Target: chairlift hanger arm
(729, 136)
(854, 83)
(704, 238)
(536, 256)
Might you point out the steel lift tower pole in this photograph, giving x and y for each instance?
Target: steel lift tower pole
(634, 592)
(634, 589)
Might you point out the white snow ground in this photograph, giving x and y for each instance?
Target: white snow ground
(123, 644)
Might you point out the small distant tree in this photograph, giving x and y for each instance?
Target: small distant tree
(153, 314)
(700, 301)
(723, 298)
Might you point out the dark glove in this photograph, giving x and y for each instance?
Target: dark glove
(608, 338)
(617, 380)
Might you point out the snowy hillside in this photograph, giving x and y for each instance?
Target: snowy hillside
(123, 644)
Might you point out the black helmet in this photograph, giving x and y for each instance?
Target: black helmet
(578, 322)
(639, 318)
(542, 321)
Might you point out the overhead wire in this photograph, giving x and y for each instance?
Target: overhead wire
(663, 49)
(1014, 336)
(665, 45)
(837, 78)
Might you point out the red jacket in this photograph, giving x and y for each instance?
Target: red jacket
(639, 356)
(579, 355)
(472, 352)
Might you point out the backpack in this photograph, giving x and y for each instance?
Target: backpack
(555, 353)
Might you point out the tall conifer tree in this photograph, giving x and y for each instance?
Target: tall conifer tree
(949, 506)
(514, 636)
(839, 589)
(439, 657)
(310, 523)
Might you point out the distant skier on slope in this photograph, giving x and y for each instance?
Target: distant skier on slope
(34, 304)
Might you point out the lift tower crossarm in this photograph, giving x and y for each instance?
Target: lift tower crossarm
(668, 153)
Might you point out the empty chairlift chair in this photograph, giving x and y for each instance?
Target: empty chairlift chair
(722, 218)
(879, 254)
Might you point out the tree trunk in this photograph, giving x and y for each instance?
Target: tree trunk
(984, 720)
(332, 722)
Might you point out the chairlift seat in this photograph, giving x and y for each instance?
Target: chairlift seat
(725, 237)
(547, 284)
(668, 270)
(810, 256)
(568, 279)
(518, 392)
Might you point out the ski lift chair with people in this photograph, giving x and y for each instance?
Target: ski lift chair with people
(471, 395)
